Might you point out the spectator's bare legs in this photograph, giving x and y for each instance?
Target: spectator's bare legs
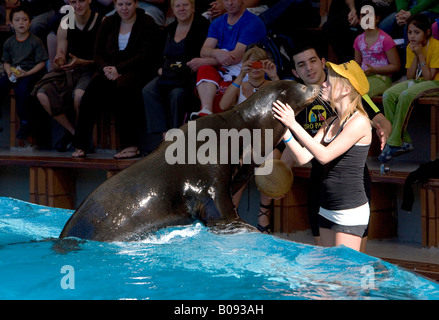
(77, 97)
(62, 118)
(206, 92)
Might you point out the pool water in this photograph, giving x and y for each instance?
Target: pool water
(185, 262)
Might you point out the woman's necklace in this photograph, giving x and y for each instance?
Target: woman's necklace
(256, 88)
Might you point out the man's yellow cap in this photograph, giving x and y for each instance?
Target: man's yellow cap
(356, 76)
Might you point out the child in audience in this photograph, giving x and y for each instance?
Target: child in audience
(376, 53)
(422, 75)
(24, 57)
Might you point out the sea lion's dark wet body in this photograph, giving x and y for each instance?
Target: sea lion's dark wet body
(153, 194)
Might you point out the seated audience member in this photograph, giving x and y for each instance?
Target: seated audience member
(341, 28)
(156, 9)
(45, 16)
(213, 9)
(376, 53)
(168, 96)
(49, 22)
(74, 70)
(286, 16)
(222, 52)
(422, 66)
(255, 65)
(125, 52)
(395, 24)
(24, 57)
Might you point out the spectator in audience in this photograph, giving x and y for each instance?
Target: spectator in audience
(222, 52)
(168, 96)
(45, 16)
(156, 9)
(395, 24)
(74, 70)
(286, 16)
(376, 53)
(126, 54)
(24, 57)
(422, 66)
(213, 9)
(255, 67)
(49, 22)
(341, 28)
(2, 12)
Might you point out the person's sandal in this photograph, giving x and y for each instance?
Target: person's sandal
(127, 153)
(78, 154)
(264, 229)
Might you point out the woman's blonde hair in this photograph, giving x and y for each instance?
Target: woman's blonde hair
(255, 53)
(356, 103)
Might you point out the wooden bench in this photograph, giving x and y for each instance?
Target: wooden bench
(430, 213)
(432, 102)
(52, 177)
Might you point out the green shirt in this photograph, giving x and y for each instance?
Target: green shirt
(422, 5)
(25, 54)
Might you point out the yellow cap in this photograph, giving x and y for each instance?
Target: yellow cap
(356, 76)
(353, 72)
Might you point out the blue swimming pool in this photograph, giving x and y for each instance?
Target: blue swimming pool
(186, 262)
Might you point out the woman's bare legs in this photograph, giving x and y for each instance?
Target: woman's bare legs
(332, 238)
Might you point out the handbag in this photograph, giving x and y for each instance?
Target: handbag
(175, 73)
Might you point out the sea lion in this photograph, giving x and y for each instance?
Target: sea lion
(155, 193)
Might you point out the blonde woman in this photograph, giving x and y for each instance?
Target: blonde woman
(341, 145)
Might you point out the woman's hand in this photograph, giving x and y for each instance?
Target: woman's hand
(284, 114)
(246, 67)
(270, 69)
(111, 73)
